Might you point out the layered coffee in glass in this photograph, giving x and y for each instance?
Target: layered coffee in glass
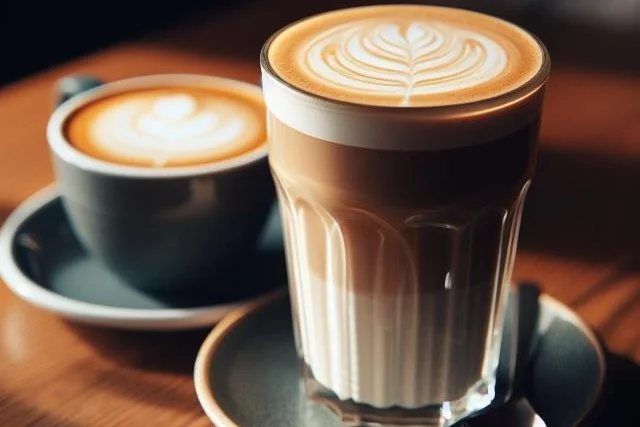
(402, 140)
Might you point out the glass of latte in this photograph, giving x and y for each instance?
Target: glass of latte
(402, 140)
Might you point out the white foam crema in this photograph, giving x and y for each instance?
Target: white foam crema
(401, 61)
(168, 126)
(336, 68)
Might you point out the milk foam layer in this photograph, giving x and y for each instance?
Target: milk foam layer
(405, 56)
(168, 126)
(401, 60)
(404, 77)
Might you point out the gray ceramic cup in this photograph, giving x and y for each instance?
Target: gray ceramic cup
(161, 229)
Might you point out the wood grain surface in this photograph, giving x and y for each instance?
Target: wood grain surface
(580, 238)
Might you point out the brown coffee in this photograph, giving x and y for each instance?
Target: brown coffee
(402, 142)
(170, 126)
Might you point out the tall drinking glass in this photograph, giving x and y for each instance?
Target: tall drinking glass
(402, 140)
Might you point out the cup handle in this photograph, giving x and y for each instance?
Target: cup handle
(70, 86)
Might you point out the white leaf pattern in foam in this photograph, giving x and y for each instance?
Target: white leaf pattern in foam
(168, 127)
(402, 59)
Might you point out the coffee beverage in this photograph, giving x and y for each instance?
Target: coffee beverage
(164, 178)
(405, 55)
(398, 251)
(402, 143)
(170, 126)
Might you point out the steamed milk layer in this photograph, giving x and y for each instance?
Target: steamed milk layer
(169, 126)
(402, 141)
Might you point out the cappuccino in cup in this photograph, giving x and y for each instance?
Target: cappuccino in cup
(402, 143)
(169, 126)
(165, 178)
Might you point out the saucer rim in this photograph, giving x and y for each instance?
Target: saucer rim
(85, 312)
(210, 345)
(214, 411)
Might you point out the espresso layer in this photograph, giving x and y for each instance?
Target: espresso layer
(169, 126)
(459, 178)
(402, 55)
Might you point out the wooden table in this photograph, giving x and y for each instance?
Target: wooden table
(580, 237)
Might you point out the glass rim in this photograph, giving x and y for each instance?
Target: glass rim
(531, 86)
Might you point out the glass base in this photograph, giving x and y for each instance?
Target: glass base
(445, 414)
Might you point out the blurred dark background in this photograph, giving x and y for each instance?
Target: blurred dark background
(36, 35)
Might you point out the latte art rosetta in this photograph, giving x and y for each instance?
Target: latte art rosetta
(402, 59)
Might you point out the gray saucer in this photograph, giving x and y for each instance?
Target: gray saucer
(246, 373)
(42, 262)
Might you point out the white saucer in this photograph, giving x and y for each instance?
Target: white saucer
(42, 262)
